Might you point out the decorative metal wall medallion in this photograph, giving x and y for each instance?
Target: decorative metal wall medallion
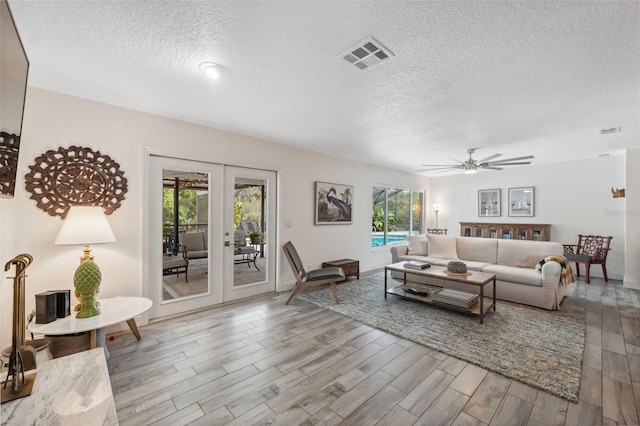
(75, 176)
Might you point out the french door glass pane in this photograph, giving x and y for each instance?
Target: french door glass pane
(250, 231)
(185, 234)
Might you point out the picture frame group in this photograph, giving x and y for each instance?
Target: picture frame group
(521, 202)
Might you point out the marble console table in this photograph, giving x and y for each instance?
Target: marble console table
(73, 390)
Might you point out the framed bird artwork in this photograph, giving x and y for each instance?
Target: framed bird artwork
(334, 202)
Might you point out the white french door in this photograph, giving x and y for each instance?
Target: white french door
(249, 268)
(198, 254)
(184, 198)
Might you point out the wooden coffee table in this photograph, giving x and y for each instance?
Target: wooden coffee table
(440, 278)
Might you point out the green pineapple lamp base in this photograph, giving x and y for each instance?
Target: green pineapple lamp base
(87, 283)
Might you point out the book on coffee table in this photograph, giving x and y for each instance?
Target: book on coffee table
(456, 298)
(416, 264)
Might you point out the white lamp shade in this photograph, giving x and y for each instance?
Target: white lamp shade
(85, 225)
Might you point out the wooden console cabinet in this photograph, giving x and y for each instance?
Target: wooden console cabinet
(512, 231)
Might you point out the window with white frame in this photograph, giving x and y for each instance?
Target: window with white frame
(396, 213)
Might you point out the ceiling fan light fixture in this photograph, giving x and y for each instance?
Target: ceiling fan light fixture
(212, 70)
(471, 166)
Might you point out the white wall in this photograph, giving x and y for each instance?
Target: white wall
(574, 197)
(52, 120)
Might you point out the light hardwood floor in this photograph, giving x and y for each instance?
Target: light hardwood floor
(261, 362)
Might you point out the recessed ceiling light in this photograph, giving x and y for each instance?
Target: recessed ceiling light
(212, 70)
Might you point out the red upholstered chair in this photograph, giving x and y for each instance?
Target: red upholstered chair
(590, 250)
(437, 231)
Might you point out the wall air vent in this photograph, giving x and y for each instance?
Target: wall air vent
(367, 54)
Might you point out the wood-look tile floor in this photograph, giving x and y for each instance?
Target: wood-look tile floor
(261, 362)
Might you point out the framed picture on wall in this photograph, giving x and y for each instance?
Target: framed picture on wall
(521, 201)
(333, 203)
(489, 202)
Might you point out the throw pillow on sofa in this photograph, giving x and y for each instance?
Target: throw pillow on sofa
(417, 245)
(442, 246)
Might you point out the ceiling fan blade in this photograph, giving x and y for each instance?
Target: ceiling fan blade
(440, 168)
(492, 168)
(500, 163)
(528, 157)
(446, 170)
(491, 157)
(439, 165)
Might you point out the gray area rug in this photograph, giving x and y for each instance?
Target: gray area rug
(541, 348)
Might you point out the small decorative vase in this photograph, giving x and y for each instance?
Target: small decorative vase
(457, 267)
(87, 283)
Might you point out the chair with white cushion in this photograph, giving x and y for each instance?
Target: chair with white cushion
(194, 244)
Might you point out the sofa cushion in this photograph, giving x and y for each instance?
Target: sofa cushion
(417, 245)
(478, 249)
(193, 241)
(442, 246)
(405, 257)
(197, 254)
(437, 261)
(514, 274)
(526, 254)
(472, 265)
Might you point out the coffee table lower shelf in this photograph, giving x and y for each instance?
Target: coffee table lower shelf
(439, 274)
(473, 310)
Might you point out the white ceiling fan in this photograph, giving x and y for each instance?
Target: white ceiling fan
(472, 166)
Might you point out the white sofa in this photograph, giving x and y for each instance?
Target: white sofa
(512, 261)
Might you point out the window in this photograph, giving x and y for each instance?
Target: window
(396, 213)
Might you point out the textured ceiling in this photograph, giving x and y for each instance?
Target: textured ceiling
(509, 77)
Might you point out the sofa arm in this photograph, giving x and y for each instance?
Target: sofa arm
(397, 251)
(551, 271)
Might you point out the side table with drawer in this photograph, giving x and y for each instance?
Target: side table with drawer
(350, 267)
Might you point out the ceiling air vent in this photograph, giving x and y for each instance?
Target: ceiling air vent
(367, 54)
(610, 131)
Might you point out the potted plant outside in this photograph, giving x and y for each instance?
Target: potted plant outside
(256, 237)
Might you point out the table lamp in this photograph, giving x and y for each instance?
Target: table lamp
(86, 225)
(436, 209)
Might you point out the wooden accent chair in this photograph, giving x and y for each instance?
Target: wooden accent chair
(590, 250)
(437, 231)
(312, 278)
